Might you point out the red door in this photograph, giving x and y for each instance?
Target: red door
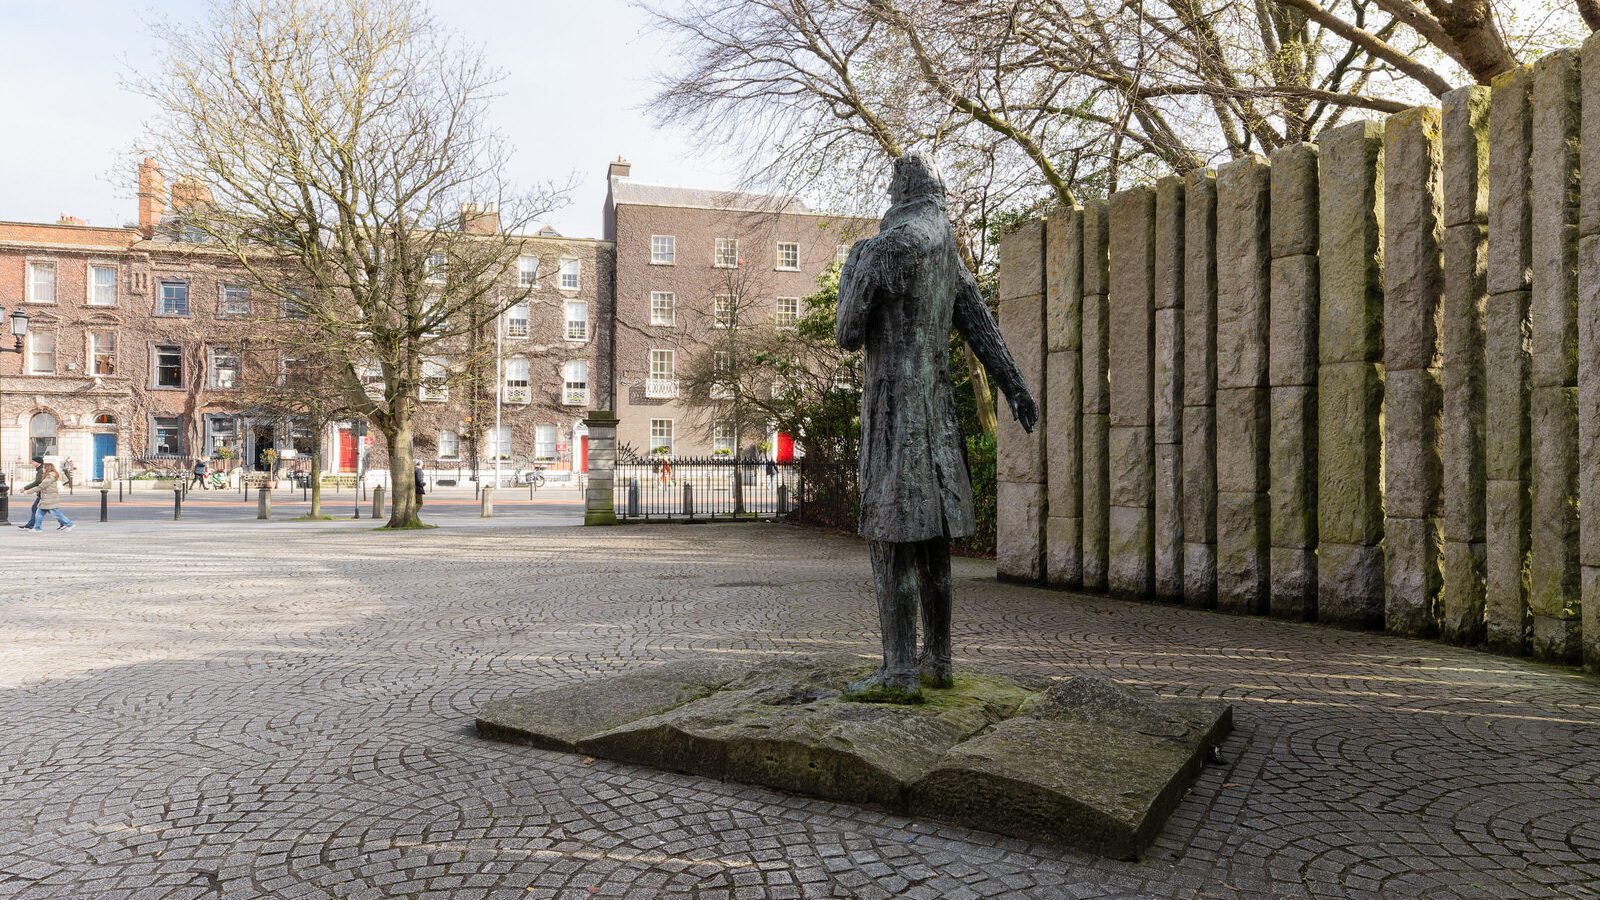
(347, 450)
(785, 452)
(583, 454)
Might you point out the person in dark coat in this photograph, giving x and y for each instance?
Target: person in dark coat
(899, 293)
(38, 474)
(421, 483)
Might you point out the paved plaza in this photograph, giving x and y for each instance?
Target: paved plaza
(285, 710)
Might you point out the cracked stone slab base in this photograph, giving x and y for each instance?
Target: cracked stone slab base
(1082, 761)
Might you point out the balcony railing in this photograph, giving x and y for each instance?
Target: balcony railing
(661, 388)
(720, 392)
(575, 397)
(517, 328)
(518, 394)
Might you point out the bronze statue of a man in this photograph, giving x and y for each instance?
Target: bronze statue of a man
(899, 293)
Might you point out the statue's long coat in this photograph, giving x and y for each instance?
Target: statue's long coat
(899, 293)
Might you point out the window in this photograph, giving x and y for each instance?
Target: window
(169, 366)
(235, 302)
(788, 256)
(294, 306)
(516, 389)
(663, 250)
(726, 254)
(577, 321)
(569, 275)
(663, 380)
(41, 352)
(527, 271)
(517, 321)
(841, 253)
(544, 442)
(721, 375)
(174, 299)
(224, 368)
(788, 312)
(432, 315)
(434, 376)
(103, 352)
(661, 435)
(41, 282)
(437, 266)
(722, 437)
(221, 431)
(102, 286)
(449, 445)
(42, 435)
(724, 312)
(166, 436)
(575, 383)
(294, 370)
(663, 307)
(500, 442)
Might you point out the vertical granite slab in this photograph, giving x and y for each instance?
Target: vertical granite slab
(1199, 469)
(1168, 375)
(1589, 440)
(1096, 387)
(1131, 337)
(1064, 397)
(1019, 530)
(1020, 456)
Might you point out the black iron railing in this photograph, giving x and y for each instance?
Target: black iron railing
(705, 488)
(830, 493)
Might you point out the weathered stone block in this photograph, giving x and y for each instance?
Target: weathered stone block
(1554, 589)
(1506, 519)
(1507, 341)
(1553, 305)
(1412, 456)
(1589, 622)
(1462, 416)
(1096, 500)
(1350, 321)
(1350, 447)
(1169, 228)
(1019, 455)
(1413, 573)
(1242, 552)
(1200, 288)
(1096, 382)
(1293, 468)
(1293, 353)
(1132, 477)
(1412, 234)
(1169, 521)
(1131, 571)
(1063, 278)
(1200, 575)
(1064, 443)
(1096, 235)
(1589, 392)
(1243, 273)
(1019, 530)
(1465, 156)
(1461, 601)
(1294, 583)
(1022, 261)
(1589, 145)
(1063, 555)
(1556, 638)
(1169, 376)
(1350, 585)
(1294, 200)
(1510, 182)
(1199, 474)
(1131, 304)
(1243, 417)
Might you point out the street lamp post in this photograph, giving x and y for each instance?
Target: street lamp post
(19, 328)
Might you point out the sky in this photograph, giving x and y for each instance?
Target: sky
(577, 73)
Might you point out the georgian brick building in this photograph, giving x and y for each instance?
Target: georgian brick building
(133, 347)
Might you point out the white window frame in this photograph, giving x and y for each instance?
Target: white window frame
(570, 275)
(517, 318)
(724, 436)
(434, 387)
(515, 389)
(574, 390)
(438, 265)
(34, 338)
(161, 298)
(721, 375)
(725, 311)
(788, 267)
(527, 271)
(90, 285)
(725, 253)
(33, 283)
(662, 382)
(223, 312)
(578, 334)
(95, 351)
(501, 441)
(545, 440)
(454, 442)
(661, 435)
(214, 366)
(663, 309)
(663, 250)
(779, 315)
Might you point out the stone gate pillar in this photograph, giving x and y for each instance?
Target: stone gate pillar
(599, 497)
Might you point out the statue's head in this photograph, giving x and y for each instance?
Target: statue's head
(915, 177)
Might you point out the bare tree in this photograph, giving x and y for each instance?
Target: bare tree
(351, 173)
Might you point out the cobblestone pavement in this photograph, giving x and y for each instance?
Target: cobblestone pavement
(286, 712)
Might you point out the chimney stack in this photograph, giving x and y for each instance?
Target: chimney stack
(152, 196)
(189, 192)
(70, 220)
(619, 169)
(480, 218)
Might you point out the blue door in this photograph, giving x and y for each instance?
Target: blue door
(104, 445)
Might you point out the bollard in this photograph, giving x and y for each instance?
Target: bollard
(177, 502)
(633, 498)
(487, 503)
(377, 502)
(783, 499)
(105, 497)
(688, 500)
(119, 492)
(264, 502)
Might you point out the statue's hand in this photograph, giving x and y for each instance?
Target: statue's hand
(1024, 409)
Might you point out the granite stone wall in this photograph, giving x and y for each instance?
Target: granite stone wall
(1357, 381)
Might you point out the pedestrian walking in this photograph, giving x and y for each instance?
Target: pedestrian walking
(772, 473)
(197, 476)
(421, 482)
(38, 473)
(68, 467)
(48, 488)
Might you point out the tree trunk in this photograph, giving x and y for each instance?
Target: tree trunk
(979, 376)
(316, 481)
(404, 513)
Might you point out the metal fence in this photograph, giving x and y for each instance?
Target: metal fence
(829, 494)
(705, 488)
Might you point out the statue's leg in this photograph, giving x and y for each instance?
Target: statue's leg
(933, 561)
(897, 580)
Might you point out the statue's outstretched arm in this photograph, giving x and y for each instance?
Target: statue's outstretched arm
(857, 283)
(978, 327)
